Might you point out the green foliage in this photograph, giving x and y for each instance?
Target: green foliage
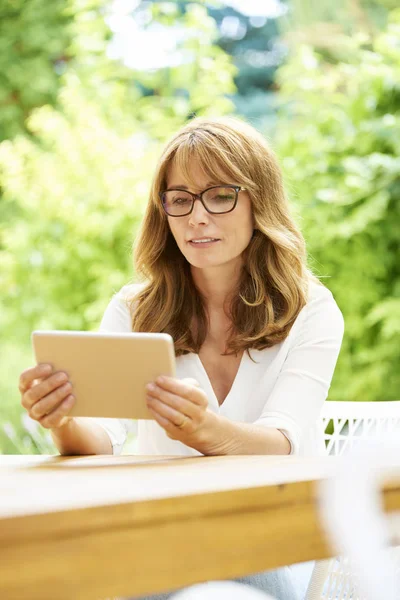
(39, 42)
(257, 51)
(252, 51)
(34, 36)
(199, 84)
(327, 25)
(339, 139)
(77, 191)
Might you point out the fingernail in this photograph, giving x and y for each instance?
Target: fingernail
(160, 379)
(151, 387)
(45, 368)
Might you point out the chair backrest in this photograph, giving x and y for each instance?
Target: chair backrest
(354, 422)
(350, 508)
(354, 425)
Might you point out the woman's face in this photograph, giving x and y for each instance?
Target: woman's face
(232, 231)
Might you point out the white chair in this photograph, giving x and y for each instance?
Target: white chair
(354, 423)
(351, 512)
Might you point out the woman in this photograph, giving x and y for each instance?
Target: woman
(224, 272)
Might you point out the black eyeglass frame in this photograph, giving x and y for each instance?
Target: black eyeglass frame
(237, 189)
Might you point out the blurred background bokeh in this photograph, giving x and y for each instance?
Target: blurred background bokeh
(91, 89)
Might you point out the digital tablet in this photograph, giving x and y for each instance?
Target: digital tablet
(108, 371)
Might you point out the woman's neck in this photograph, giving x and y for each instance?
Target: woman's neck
(217, 285)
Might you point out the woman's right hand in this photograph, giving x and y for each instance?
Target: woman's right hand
(46, 395)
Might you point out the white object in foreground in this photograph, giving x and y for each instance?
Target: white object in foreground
(221, 590)
(352, 514)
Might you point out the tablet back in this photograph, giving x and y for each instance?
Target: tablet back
(108, 371)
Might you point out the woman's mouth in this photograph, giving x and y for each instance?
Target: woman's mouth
(203, 242)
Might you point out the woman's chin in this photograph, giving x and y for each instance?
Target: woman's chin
(203, 262)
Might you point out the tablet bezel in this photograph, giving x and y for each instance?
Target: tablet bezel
(108, 371)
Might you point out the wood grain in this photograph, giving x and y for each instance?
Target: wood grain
(90, 527)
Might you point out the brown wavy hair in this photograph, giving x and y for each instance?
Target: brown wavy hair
(273, 286)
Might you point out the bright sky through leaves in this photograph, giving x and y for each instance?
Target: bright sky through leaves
(155, 47)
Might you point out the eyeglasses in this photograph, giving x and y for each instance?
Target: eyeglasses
(217, 200)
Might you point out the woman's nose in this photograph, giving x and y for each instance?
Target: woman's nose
(199, 213)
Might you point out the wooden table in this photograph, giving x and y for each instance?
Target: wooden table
(84, 528)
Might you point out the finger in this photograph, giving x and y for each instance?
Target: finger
(191, 381)
(50, 402)
(165, 424)
(172, 431)
(182, 388)
(29, 375)
(53, 419)
(167, 412)
(183, 405)
(43, 388)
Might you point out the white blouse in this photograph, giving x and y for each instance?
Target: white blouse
(285, 388)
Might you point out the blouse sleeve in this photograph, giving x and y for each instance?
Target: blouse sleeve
(303, 383)
(116, 319)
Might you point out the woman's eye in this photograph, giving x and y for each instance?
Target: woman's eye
(180, 200)
(222, 198)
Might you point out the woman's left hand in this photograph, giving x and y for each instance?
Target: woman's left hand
(180, 407)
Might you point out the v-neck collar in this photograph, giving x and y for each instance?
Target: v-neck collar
(209, 385)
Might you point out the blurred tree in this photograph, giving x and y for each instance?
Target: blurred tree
(329, 26)
(339, 139)
(34, 42)
(257, 50)
(198, 79)
(252, 42)
(39, 41)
